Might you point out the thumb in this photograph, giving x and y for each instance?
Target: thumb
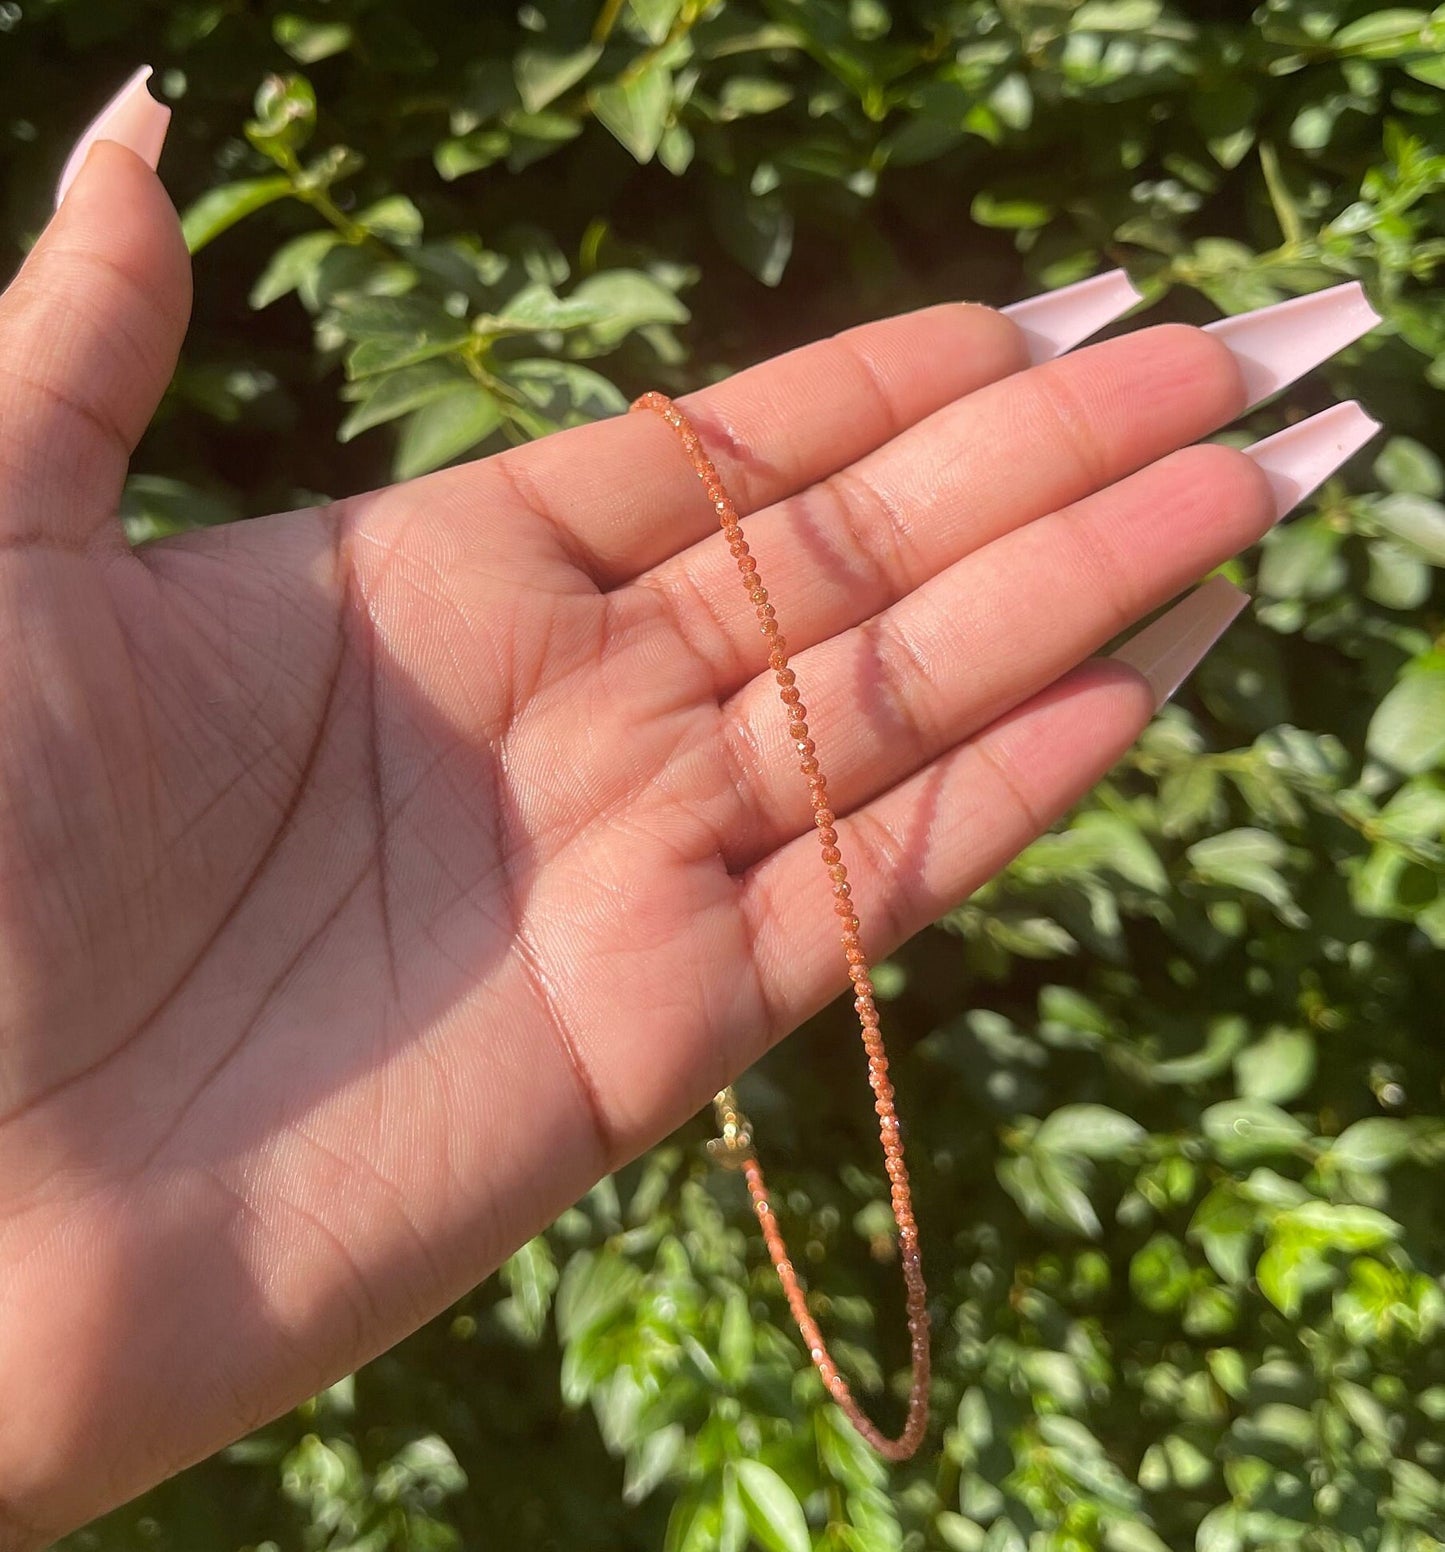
(89, 332)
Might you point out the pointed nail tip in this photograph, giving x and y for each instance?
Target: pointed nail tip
(1299, 459)
(1274, 346)
(1052, 324)
(134, 85)
(1167, 651)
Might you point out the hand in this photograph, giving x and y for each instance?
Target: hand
(375, 877)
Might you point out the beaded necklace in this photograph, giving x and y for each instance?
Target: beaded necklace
(735, 1146)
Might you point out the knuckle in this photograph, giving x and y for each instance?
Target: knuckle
(1071, 427)
(1231, 480)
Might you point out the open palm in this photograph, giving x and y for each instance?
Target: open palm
(375, 877)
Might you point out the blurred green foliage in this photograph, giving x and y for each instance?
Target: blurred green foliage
(1173, 1082)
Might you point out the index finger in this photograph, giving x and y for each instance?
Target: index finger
(622, 501)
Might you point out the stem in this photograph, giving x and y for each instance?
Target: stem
(326, 207)
(606, 21)
(1284, 210)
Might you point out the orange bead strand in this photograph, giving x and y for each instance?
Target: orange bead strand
(736, 1143)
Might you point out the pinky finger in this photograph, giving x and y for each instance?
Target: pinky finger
(918, 850)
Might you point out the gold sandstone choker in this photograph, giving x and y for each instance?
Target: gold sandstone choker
(735, 1146)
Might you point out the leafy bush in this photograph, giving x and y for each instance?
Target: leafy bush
(1180, 1165)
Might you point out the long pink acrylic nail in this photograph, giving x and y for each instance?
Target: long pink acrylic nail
(1167, 651)
(1277, 344)
(131, 118)
(1299, 459)
(1058, 320)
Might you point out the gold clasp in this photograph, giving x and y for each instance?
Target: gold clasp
(735, 1144)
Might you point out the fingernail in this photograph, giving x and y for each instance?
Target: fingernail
(1167, 651)
(131, 118)
(1301, 458)
(1059, 320)
(1275, 345)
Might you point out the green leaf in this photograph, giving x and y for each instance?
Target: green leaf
(1407, 730)
(1242, 1130)
(1371, 1146)
(1409, 467)
(531, 1275)
(395, 220)
(757, 229)
(307, 41)
(1383, 34)
(1115, 15)
(1225, 1037)
(1223, 1224)
(1049, 1189)
(1430, 70)
(445, 429)
(774, 1514)
(594, 1286)
(1094, 1131)
(1302, 560)
(535, 135)
(1131, 1536)
(1278, 1068)
(735, 1338)
(391, 394)
(456, 157)
(636, 110)
(1282, 1274)
(694, 1525)
(291, 266)
(744, 95)
(651, 1462)
(285, 109)
(1011, 214)
(627, 299)
(1189, 798)
(655, 17)
(1399, 578)
(1219, 1530)
(1247, 859)
(1097, 841)
(1417, 519)
(559, 393)
(845, 1456)
(959, 1534)
(1339, 1226)
(219, 209)
(1159, 1274)
(544, 74)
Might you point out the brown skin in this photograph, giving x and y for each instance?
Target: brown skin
(374, 878)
